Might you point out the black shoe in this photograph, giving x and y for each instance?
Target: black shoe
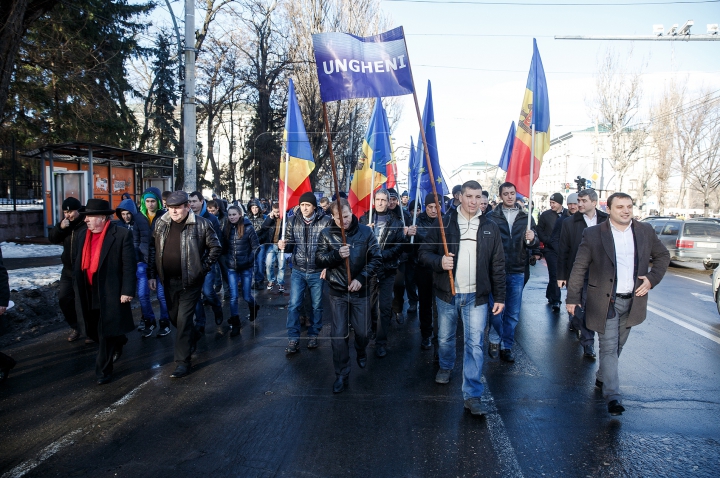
(312, 343)
(589, 351)
(362, 360)
(340, 384)
(104, 379)
(556, 307)
(149, 328)
(494, 350)
(5, 371)
(380, 351)
(253, 313)
(400, 318)
(614, 408)
(292, 347)
(507, 355)
(234, 322)
(163, 330)
(426, 343)
(598, 384)
(180, 371)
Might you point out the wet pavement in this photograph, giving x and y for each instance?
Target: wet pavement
(248, 410)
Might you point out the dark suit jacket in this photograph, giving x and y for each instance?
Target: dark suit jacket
(596, 255)
(115, 276)
(570, 237)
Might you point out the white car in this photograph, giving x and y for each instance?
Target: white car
(716, 286)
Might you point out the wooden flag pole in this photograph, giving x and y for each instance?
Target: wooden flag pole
(337, 185)
(430, 169)
(285, 201)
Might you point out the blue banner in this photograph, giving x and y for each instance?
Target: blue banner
(507, 150)
(349, 66)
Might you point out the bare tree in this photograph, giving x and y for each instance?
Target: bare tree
(663, 130)
(617, 106)
(703, 124)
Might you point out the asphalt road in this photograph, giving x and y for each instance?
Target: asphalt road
(248, 410)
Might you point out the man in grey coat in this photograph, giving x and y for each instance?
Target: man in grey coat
(616, 255)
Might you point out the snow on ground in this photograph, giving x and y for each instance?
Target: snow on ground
(11, 250)
(33, 277)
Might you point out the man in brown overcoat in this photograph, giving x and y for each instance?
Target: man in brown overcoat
(616, 255)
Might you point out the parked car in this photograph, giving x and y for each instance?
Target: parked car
(697, 241)
(668, 230)
(708, 219)
(716, 287)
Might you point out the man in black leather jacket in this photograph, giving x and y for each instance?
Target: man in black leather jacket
(183, 249)
(349, 300)
(65, 232)
(301, 237)
(388, 230)
(517, 240)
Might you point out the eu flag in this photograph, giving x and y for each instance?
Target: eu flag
(428, 120)
(414, 166)
(507, 150)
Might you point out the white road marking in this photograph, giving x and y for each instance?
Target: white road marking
(69, 439)
(675, 274)
(500, 439)
(685, 324)
(704, 297)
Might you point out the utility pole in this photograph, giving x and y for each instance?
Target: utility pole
(189, 100)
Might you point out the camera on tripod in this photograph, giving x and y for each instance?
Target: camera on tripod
(581, 183)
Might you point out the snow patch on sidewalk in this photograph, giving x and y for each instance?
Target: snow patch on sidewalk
(11, 250)
(33, 277)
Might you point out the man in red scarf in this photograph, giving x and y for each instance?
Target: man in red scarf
(105, 282)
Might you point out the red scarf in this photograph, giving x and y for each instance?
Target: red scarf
(91, 252)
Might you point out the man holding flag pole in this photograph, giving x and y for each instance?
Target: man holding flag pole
(301, 232)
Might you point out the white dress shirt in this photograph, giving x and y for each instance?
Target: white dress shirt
(625, 258)
(590, 221)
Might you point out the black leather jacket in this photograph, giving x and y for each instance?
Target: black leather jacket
(391, 242)
(514, 244)
(67, 237)
(365, 257)
(302, 239)
(200, 249)
(490, 265)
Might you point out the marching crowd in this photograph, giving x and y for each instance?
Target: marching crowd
(187, 250)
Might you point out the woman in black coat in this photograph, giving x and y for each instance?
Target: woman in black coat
(104, 272)
(239, 245)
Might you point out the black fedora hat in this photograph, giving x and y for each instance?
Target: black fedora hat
(98, 207)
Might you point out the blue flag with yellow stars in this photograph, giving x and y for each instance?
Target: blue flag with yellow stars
(428, 120)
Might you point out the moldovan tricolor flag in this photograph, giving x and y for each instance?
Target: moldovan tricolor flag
(296, 149)
(535, 110)
(376, 153)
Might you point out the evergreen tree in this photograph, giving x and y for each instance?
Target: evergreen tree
(165, 125)
(70, 81)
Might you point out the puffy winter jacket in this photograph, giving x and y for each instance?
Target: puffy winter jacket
(200, 249)
(139, 226)
(365, 257)
(238, 251)
(302, 239)
(391, 242)
(490, 264)
(67, 237)
(256, 219)
(514, 244)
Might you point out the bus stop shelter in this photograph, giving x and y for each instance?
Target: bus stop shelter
(89, 170)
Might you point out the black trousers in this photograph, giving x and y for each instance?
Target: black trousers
(107, 346)
(66, 298)
(181, 309)
(404, 281)
(5, 361)
(553, 291)
(348, 308)
(381, 307)
(424, 282)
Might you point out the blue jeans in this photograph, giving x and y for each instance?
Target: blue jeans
(244, 277)
(274, 254)
(298, 282)
(143, 292)
(474, 319)
(502, 330)
(260, 263)
(208, 291)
